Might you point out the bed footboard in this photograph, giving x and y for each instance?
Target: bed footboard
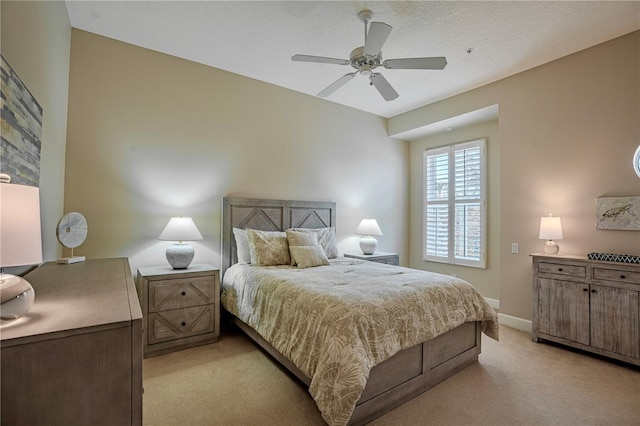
(416, 370)
(403, 376)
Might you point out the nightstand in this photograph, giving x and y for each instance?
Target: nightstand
(181, 307)
(380, 257)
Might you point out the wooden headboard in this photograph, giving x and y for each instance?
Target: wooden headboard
(269, 215)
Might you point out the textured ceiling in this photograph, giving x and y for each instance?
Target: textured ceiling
(257, 39)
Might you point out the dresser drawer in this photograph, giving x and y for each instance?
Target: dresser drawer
(616, 275)
(557, 269)
(171, 294)
(179, 323)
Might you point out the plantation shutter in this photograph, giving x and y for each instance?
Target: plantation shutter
(454, 204)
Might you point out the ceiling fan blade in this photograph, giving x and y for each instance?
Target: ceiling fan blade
(376, 37)
(337, 84)
(434, 63)
(321, 59)
(383, 86)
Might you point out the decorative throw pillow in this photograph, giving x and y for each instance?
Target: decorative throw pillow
(300, 238)
(326, 238)
(268, 248)
(242, 245)
(308, 256)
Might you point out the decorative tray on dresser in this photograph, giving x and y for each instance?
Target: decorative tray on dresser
(588, 304)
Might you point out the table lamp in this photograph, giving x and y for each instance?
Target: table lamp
(368, 228)
(180, 255)
(550, 229)
(20, 245)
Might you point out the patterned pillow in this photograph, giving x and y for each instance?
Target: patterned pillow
(326, 238)
(300, 238)
(242, 245)
(268, 248)
(308, 256)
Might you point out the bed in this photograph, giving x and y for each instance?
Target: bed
(334, 327)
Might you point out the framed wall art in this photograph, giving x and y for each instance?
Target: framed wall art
(21, 121)
(618, 213)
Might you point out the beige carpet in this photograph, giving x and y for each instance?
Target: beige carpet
(515, 382)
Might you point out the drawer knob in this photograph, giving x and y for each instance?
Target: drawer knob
(585, 289)
(593, 291)
(184, 293)
(560, 269)
(623, 277)
(184, 323)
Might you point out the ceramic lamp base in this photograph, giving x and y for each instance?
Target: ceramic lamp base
(16, 296)
(551, 248)
(179, 256)
(368, 245)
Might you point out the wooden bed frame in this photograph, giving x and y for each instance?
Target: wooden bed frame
(392, 382)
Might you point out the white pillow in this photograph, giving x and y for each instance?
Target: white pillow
(242, 245)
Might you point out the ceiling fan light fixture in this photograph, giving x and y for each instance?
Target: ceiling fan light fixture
(365, 70)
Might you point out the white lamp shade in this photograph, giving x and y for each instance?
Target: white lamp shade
(180, 229)
(20, 236)
(368, 227)
(550, 228)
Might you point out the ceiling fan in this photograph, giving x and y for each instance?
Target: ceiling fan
(365, 59)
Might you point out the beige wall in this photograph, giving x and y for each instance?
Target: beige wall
(487, 280)
(567, 132)
(151, 136)
(36, 40)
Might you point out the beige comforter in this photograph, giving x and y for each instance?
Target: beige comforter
(336, 322)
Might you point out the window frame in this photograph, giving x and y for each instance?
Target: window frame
(451, 203)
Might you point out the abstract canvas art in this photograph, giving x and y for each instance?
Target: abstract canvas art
(618, 213)
(21, 130)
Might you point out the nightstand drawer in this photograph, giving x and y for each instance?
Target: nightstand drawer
(179, 323)
(391, 260)
(616, 275)
(181, 307)
(558, 269)
(180, 293)
(379, 257)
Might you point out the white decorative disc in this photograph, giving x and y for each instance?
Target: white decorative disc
(72, 229)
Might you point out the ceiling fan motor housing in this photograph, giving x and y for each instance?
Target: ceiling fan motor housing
(364, 64)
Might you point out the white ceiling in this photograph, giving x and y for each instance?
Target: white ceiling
(257, 39)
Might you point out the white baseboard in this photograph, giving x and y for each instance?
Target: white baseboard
(495, 303)
(515, 322)
(508, 320)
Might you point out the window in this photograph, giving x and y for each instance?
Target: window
(454, 204)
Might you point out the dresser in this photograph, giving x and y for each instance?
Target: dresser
(588, 304)
(76, 357)
(380, 257)
(181, 307)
